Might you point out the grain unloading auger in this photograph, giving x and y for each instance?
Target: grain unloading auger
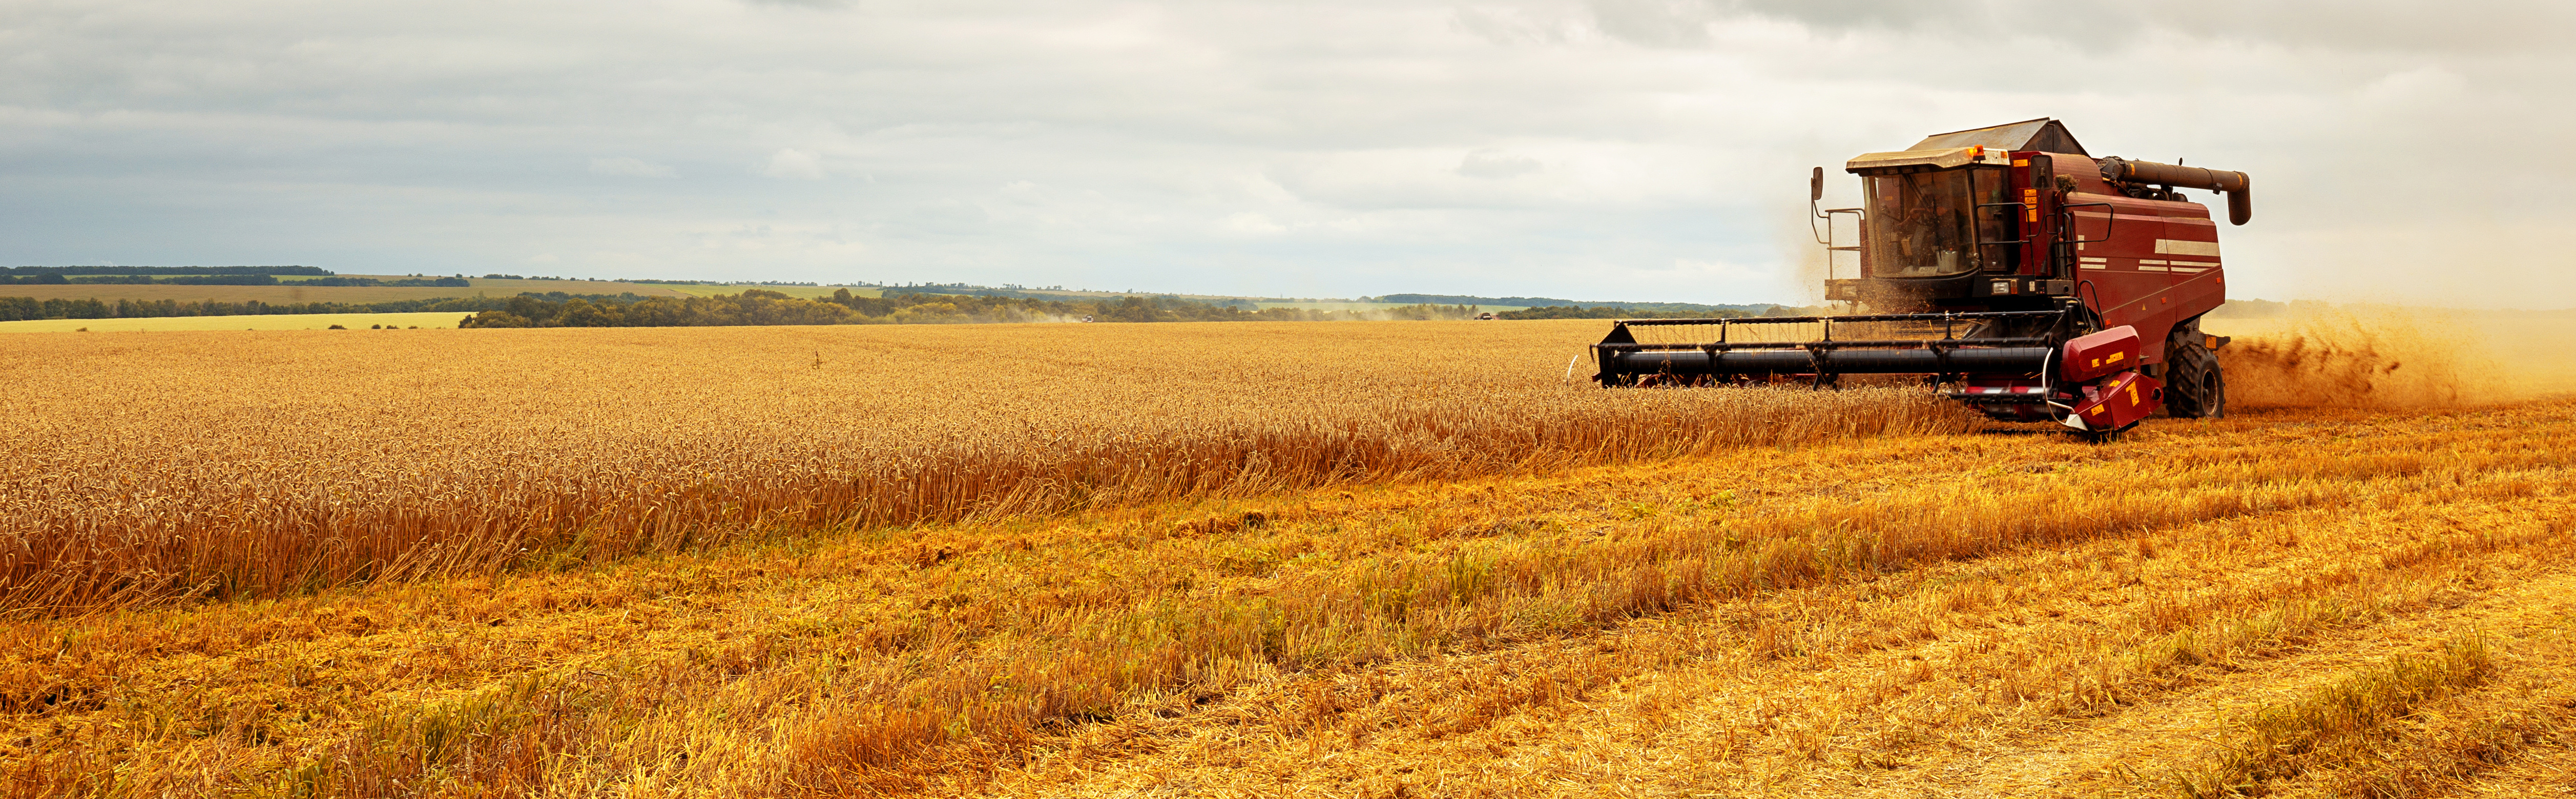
(2004, 265)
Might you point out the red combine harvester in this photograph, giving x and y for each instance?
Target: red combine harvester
(2009, 268)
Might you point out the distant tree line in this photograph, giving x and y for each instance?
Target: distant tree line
(56, 279)
(1462, 299)
(439, 282)
(13, 309)
(1636, 310)
(1615, 312)
(763, 307)
(166, 270)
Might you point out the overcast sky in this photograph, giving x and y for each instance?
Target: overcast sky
(1613, 149)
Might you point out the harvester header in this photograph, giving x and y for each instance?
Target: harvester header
(2005, 265)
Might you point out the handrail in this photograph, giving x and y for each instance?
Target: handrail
(2107, 220)
(1827, 237)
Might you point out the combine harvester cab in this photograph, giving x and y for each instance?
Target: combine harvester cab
(2005, 266)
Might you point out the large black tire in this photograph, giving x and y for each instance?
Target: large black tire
(2194, 385)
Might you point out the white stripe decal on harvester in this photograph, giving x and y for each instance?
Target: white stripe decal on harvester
(2179, 247)
(2190, 269)
(2143, 267)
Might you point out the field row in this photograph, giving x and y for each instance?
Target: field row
(1947, 613)
(2402, 633)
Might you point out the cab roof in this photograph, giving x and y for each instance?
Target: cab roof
(2043, 134)
(1961, 148)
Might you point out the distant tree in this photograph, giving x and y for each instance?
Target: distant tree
(495, 319)
(580, 313)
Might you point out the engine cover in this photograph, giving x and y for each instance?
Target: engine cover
(2107, 352)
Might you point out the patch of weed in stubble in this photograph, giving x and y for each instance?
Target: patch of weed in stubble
(2331, 726)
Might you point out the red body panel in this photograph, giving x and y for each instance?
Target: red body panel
(2106, 352)
(2148, 264)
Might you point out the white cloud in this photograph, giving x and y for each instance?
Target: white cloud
(630, 167)
(794, 164)
(1491, 165)
(1251, 224)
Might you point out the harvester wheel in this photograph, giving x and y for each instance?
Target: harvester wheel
(2196, 387)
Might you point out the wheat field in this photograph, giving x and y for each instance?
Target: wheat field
(233, 466)
(1364, 559)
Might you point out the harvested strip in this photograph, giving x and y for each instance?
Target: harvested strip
(909, 660)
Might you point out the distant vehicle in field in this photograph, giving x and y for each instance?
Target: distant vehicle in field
(2005, 265)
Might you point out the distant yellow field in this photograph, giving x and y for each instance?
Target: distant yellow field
(355, 321)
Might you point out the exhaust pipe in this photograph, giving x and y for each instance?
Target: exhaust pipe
(2239, 188)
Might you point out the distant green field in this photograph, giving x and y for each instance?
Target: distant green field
(319, 321)
(808, 292)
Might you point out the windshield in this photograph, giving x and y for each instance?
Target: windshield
(1920, 223)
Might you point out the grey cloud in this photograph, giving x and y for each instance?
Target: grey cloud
(2397, 25)
(794, 164)
(2381, 25)
(630, 167)
(1145, 144)
(1656, 23)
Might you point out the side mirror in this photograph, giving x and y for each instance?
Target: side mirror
(1816, 186)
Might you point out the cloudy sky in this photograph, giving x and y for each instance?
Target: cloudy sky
(1611, 149)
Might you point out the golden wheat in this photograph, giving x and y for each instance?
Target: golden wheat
(156, 465)
(1828, 604)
